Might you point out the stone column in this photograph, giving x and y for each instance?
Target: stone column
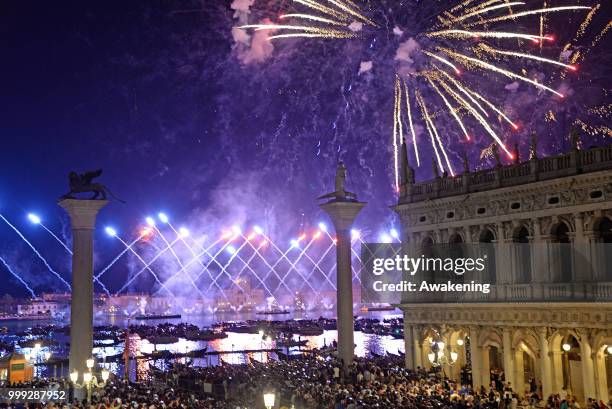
(508, 356)
(83, 219)
(410, 358)
(476, 357)
(556, 357)
(588, 368)
(418, 350)
(485, 369)
(519, 371)
(545, 364)
(343, 214)
(601, 376)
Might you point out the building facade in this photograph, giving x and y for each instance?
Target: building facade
(38, 307)
(546, 324)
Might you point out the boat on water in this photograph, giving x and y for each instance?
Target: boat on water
(157, 316)
(288, 343)
(205, 335)
(272, 312)
(379, 308)
(309, 331)
(162, 339)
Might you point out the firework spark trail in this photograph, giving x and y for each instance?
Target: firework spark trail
(10, 270)
(494, 108)
(226, 265)
(542, 25)
(400, 135)
(450, 108)
(323, 9)
(277, 262)
(254, 273)
(463, 90)
(316, 265)
(294, 267)
(487, 34)
(529, 13)
(212, 259)
(55, 273)
(428, 125)
(248, 261)
(60, 241)
(528, 56)
(409, 113)
(69, 251)
(198, 256)
(146, 266)
(486, 10)
(205, 251)
(199, 261)
(312, 35)
(352, 12)
(283, 255)
(476, 115)
(270, 268)
(441, 145)
(503, 71)
(480, 97)
(181, 237)
(312, 18)
(125, 250)
(443, 60)
(142, 270)
(396, 124)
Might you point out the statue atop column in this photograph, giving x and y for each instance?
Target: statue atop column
(83, 183)
(340, 194)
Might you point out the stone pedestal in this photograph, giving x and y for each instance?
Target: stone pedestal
(83, 219)
(343, 214)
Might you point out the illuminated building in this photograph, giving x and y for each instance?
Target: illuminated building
(549, 310)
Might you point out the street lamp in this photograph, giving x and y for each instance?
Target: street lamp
(437, 356)
(269, 399)
(89, 379)
(566, 347)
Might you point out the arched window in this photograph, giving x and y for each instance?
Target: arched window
(456, 251)
(428, 252)
(486, 240)
(563, 251)
(522, 255)
(603, 231)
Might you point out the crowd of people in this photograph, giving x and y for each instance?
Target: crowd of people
(311, 382)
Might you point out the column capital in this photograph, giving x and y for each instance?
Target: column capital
(342, 213)
(82, 212)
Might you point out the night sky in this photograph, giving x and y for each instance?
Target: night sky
(183, 119)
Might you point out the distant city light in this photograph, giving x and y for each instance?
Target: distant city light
(34, 218)
(150, 221)
(163, 217)
(110, 231)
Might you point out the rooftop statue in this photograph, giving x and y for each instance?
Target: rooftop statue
(82, 183)
(340, 194)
